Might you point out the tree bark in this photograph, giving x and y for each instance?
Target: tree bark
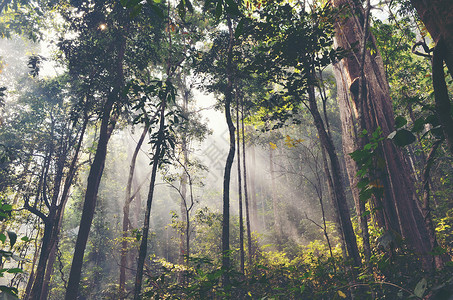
(247, 209)
(438, 262)
(254, 222)
(437, 15)
(277, 224)
(337, 181)
(229, 161)
(241, 213)
(374, 110)
(145, 232)
(334, 202)
(89, 205)
(443, 104)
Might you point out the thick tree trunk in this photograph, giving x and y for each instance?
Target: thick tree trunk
(350, 135)
(94, 178)
(399, 204)
(89, 205)
(443, 104)
(437, 15)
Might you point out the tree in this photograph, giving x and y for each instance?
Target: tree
(364, 100)
(302, 46)
(104, 28)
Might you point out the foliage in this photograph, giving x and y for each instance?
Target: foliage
(7, 254)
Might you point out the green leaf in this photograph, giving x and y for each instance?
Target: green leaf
(418, 125)
(132, 3)
(2, 237)
(181, 9)
(135, 11)
(12, 238)
(219, 9)
(239, 29)
(400, 122)
(402, 137)
(7, 207)
(15, 270)
(10, 290)
(420, 288)
(232, 8)
(155, 8)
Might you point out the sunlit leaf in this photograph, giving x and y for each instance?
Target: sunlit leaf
(420, 288)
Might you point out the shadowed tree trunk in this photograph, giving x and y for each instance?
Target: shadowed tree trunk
(337, 181)
(229, 160)
(126, 208)
(145, 232)
(438, 259)
(241, 210)
(254, 222)
(277, 224)
(437, 15)
(60, 213)
(246, 196)
(374, 110)
(52, 222)
(334, 202)
(94, 178)
(443, 104)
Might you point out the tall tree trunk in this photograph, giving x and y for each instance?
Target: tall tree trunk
(349, 133)
(50, 221)
(229, 160)
(94, 178)
(89, 205)
(334, 202)
(241, 213)
(438, 260)
(337, 181)
(277, 224)
(437, 15)
(185, 237)
(145, 232)
(126, 208)
(374, 110)
(253, 201)
(60, 213)
(247, 210)
(443, 104)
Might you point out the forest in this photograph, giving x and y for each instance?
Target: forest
(226, 149)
